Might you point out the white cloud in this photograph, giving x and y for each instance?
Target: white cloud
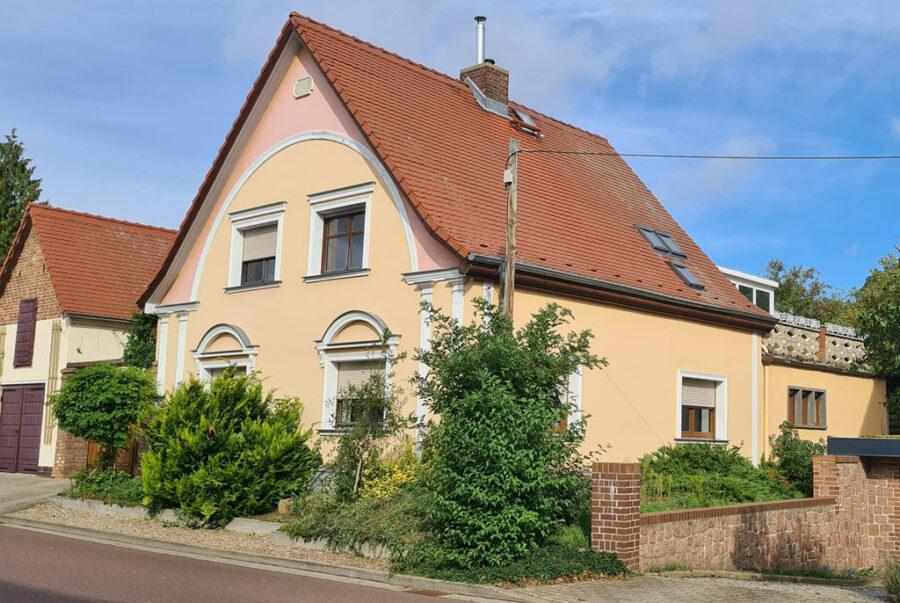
(894, 125)
(715, 180)
(852, 250)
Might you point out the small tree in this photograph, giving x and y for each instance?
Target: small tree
(103, 403)
(372, 419)
(793, 456)
(140, 347)
(18, 188)
(802, 291)
(500, 456)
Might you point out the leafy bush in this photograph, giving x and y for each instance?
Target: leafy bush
(109, 486)
(393, 522)
(103, 403)
(502, 477)
(571, 536)
(224, 449)
(140, 346)
(793, 457)
(545, 564)
(890, 574)
(700, 475)
(383, 480)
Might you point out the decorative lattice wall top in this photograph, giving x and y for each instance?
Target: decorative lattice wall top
(808, 340)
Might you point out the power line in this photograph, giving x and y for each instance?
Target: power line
(731, 157)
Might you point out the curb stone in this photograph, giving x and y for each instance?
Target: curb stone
(409, 582)
(758, 577)
(96, 506)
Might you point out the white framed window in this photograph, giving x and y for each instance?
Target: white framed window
(702, 411)
(256, 238)
(570, 395)
(340, 233)
(347, 363)
(211, 361)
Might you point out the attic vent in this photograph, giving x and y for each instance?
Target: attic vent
(303, 87)
(686, 275)
(662, 242)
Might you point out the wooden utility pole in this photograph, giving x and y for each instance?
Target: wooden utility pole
(511, 179)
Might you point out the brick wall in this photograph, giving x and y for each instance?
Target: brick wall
(71, 454)
(852, 521)
(29, 279)
(493, 81)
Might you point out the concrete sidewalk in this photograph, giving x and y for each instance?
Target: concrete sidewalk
(18, 491)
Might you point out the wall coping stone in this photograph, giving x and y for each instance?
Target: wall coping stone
(649, 519)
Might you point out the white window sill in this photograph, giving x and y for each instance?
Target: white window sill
(254, 287)
(333, 431)
(316, 278)
(701, 441)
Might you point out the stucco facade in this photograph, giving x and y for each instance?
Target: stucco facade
(295, 155)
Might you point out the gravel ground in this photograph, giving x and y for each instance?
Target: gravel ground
(217, 539)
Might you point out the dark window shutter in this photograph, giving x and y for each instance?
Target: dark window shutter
(25, 332)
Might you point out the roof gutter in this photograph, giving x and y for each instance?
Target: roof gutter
(557, 281)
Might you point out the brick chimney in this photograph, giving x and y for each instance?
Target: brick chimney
(493, 81)
(489, 83)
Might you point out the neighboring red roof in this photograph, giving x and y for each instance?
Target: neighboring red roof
(577, 214)
(98, 266)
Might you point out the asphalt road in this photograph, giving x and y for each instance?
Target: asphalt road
(36, 566)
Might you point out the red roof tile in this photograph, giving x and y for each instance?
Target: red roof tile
(577, 213)
(98, 266)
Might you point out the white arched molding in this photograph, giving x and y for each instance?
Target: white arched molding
(332, 354)
(327, 135)
(209, 361)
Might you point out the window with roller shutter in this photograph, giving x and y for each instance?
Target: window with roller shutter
(698, 408)
(25, 333)
(351, 375)
(258, 259)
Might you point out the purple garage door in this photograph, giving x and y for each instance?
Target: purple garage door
(21, 411)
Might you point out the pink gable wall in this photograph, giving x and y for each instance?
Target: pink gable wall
(286, 116)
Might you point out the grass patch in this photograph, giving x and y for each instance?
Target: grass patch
(668, 567)
(111, 487)
(827, 573)
(704, 475)
(890, 573)
(554, 563)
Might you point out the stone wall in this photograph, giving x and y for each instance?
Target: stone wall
(852, 521)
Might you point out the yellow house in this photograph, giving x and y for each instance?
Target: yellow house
(356, 184)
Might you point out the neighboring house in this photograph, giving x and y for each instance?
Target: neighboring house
(356, 184)
(67, 290)
(814, 375)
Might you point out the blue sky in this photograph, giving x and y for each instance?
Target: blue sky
(123, 108)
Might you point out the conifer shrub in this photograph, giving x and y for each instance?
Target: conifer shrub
(225, 449)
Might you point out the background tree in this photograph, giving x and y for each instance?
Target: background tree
(18, 188)
(140, 347)
(103, 403)
(878, 310)
(802, 291)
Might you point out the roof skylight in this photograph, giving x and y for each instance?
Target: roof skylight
(524, 117)
(686, 275)
(662, 242)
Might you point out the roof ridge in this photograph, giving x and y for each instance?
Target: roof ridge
(43, 207)
(432, 70)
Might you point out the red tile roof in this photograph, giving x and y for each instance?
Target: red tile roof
(98, 266)
(577, 214)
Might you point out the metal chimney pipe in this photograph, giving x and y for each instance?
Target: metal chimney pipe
(479, 32)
